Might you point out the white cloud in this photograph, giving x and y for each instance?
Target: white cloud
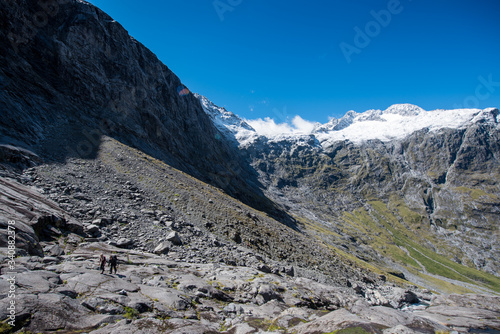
(303, 126)
(269, 128)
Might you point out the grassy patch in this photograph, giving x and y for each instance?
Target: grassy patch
(476, 194)
(381, 239)
(351, 330)
(130, 313)
(434, 263)
(444, 286)
(5, 328)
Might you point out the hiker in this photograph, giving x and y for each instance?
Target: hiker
(113, 261)
(102, 263)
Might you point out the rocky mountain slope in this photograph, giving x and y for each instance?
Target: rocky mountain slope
(219, 229)
(78, 75)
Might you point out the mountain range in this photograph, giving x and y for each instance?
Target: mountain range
(435, 173)
(349, 225)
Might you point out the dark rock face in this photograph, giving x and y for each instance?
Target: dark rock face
(70, 74)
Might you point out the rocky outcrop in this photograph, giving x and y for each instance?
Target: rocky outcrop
(31, 217)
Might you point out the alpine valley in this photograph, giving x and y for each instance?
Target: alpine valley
(384, 221)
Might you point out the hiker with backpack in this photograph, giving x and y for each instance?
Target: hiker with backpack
(102, 263)
(113, 261)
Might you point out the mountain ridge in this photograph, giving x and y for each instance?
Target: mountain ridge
(406, 117)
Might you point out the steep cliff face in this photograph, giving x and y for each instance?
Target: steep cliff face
(69, 74)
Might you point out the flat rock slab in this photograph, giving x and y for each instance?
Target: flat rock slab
(268, 310)
(153, 325)
(484, 302)
(141, 326)
(36, 281)
(91, 282)
(242, 328)
(170, 298)
(461, 317)
(371, 319)
(53, 311)
(333, 321)
(464, 311)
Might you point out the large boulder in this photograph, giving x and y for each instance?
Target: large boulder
(174, 238)
(93, 230)
(124, 243)
(266, 293)
(162, 248)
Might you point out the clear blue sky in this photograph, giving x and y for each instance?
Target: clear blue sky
(278, 59)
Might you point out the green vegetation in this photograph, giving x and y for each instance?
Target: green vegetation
(382, 241)
(402, 235)
(476, 194)
(130, 313)
(350, 330)
(5, 328)
(434, 263)
(393, 231)
(444, 286)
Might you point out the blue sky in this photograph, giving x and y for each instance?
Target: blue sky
(319, 58)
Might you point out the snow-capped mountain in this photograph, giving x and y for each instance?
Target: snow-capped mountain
(228, 123)
(396, 122)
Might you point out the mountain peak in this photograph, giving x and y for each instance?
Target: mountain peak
(404, 109)
(231, 125)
